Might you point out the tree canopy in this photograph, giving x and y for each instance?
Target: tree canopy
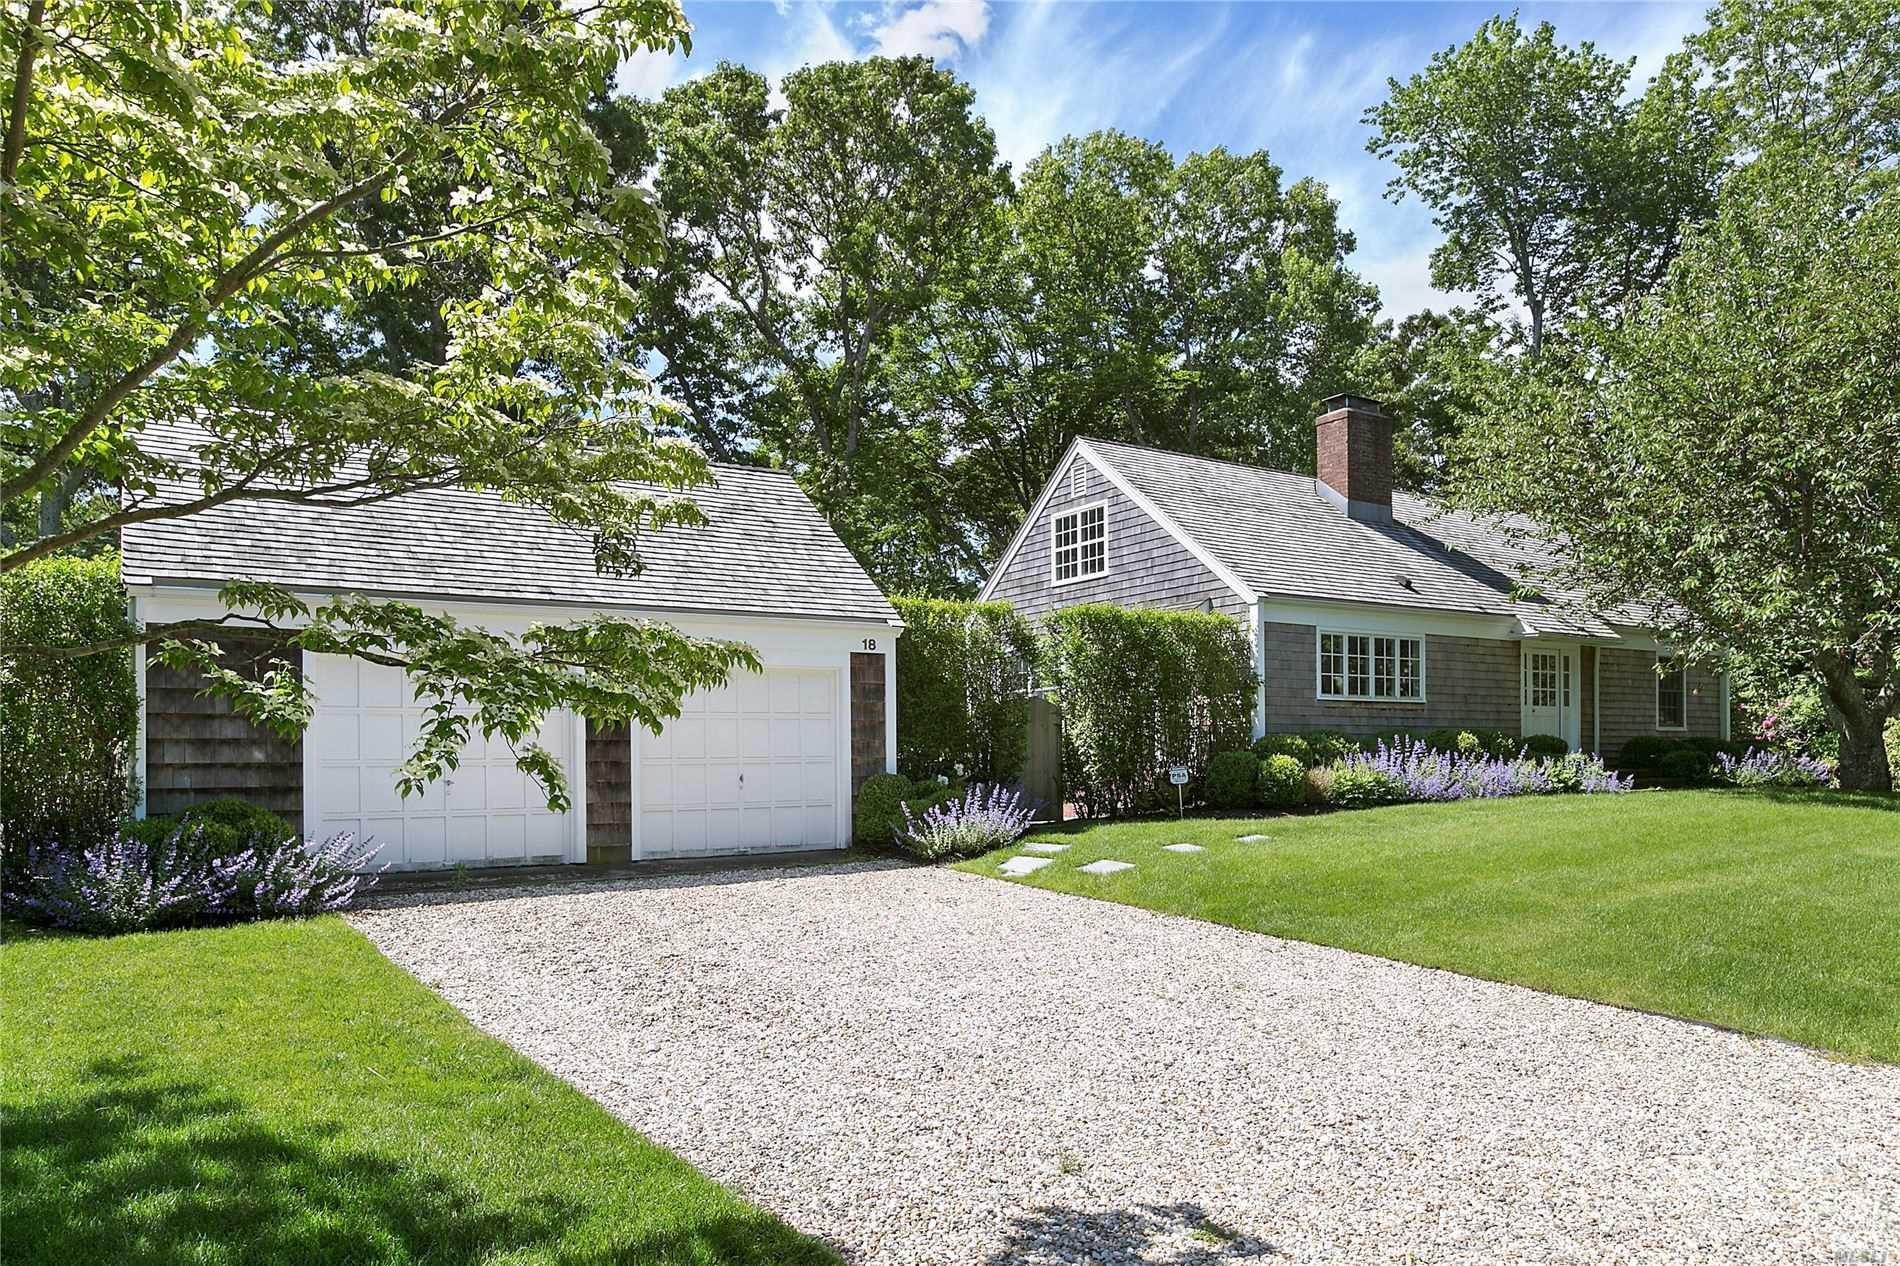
(193, 215)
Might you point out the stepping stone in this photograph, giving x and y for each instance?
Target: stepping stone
(1183, 848)
(1106, 867)
(1046, 848)
(1250, 839)
(1017, 867)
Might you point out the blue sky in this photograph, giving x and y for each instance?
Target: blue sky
(1292, 79)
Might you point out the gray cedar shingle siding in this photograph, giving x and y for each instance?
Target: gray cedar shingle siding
(1628, 698)
(609, 794)
(197, 748)
(867, 719)
(1468, 682)
(1147, 566)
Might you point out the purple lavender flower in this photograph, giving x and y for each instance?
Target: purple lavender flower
(1759, 767)
(1410, 770)
(987, 817)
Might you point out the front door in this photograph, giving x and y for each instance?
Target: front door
(1547, 690)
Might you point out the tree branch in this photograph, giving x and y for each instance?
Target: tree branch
(22, 97)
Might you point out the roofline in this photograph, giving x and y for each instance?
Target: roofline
(488, 599)
(1080, 446)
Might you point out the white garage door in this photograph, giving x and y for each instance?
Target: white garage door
(485, 811)
(752, 766)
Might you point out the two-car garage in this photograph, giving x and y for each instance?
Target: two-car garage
(767, 762)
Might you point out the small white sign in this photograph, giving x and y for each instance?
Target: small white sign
(1178, 775)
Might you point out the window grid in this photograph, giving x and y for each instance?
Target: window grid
(1080, 543)
(1371, 666)
(1672, 695)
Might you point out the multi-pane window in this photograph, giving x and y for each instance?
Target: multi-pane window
(1081, 543)
(1672, 694)
(1541, 674)
(1371, 666)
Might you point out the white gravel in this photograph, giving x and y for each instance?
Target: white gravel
(924, 1067)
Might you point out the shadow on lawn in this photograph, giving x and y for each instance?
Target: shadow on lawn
(142, 1167)
(1126, 1237)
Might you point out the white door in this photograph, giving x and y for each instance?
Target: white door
(755, 765)
(483, 812)
(1547, 691)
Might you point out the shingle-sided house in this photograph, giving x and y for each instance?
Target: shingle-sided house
(771, 761)
(1370, 609)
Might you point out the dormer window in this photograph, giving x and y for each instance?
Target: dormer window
(1079, 543)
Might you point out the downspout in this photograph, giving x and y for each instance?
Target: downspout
(1260, 668)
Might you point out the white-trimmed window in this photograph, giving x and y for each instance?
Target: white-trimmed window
(1371, 666)
(1079, 543)
(1672, 693)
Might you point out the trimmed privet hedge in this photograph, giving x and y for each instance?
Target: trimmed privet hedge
(1140, 691)
(70, 726)
(961, 710)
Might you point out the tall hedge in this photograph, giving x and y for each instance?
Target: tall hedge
(961, 711)
(68, 727)
(1140, 691)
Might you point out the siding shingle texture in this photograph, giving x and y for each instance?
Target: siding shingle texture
(1628, 699)
(867, 719)
(1468, 682)
(197, 748)
(610, 794)
(1147, 566)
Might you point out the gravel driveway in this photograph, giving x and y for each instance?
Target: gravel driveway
(924, 1066)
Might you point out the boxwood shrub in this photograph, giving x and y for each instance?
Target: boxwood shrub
(1545, 745)
(1231, 779)
(882, 800)
(1285, 745)
(1282, 782)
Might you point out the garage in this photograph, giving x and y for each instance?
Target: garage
(768, 762)
(754, 766)
(485, 812)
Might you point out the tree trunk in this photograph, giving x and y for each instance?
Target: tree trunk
(1864, 764)
(1860, 722)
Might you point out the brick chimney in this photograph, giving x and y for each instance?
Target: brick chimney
(1353, 446)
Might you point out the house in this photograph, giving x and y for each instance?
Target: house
(1370, 609)
(772, 761)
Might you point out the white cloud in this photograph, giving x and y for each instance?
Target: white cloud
(647, 74)
(940, 29)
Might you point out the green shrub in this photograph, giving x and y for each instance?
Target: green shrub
(1285, 745)
(1140, 691)
(1390, 739)
(1446, 740)
(1231, 778)
(1328, 746)
(961, 676)
(1282, 782)
(880, 810)
(248, 825)
(1362, 787)
(1645, 751)
(1687, 764)
(1547, 746)
(71, 724)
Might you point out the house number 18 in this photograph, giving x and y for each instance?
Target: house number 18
(870, 643)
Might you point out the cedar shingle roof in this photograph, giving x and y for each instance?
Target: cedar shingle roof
(1282, 539)
(766, 550)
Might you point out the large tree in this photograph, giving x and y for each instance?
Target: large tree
(195, 215)
(1557, 193)
(1200, 305)
(1728, 457)
(800, 240)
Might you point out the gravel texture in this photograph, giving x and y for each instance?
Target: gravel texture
(925, 1066)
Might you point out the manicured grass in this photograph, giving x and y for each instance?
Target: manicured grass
(1771, 913)
(280, 1093)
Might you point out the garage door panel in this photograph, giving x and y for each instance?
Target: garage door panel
(484, 810)
(763, 776)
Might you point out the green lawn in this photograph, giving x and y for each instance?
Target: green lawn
(1771, 913)
(280, 1093)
